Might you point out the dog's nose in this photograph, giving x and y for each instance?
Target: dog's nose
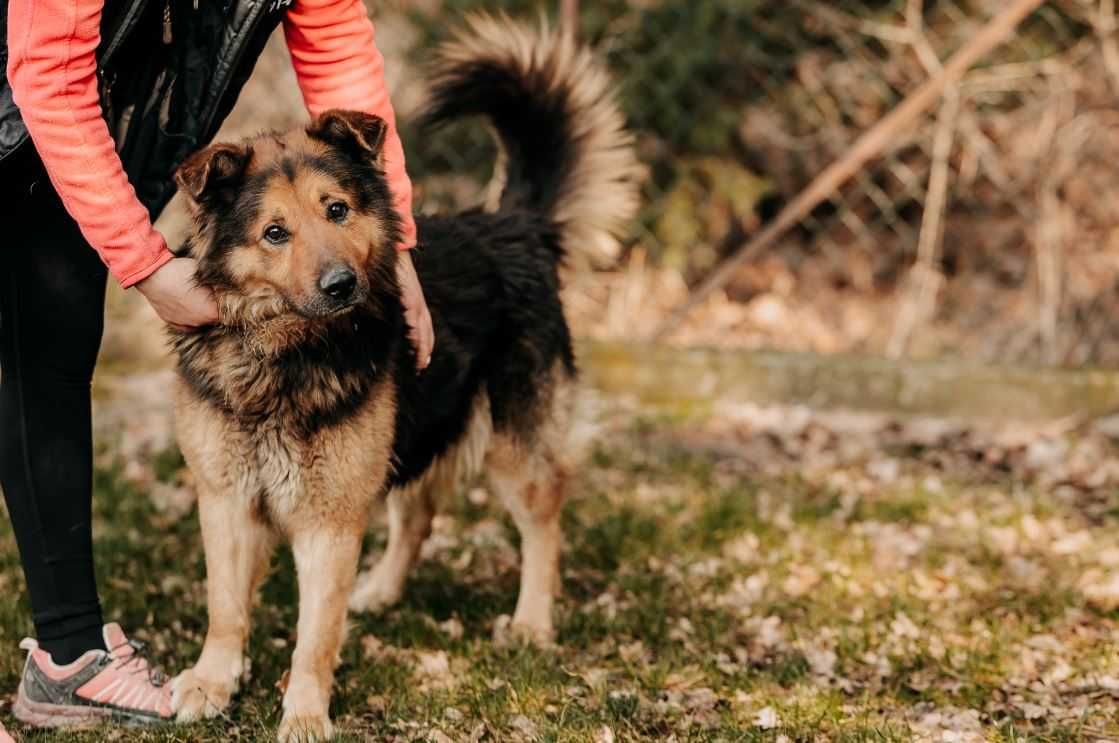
(338, 282)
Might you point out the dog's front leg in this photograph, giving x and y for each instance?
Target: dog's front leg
(326, 560)
(238, 548)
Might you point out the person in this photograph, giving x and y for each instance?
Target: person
(79, 204)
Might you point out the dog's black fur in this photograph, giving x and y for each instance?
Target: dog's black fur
(492, 284)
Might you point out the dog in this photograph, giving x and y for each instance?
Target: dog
(303, 409)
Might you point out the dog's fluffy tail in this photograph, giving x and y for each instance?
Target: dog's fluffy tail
(563, 147)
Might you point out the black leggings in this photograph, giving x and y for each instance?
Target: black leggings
(52, 294)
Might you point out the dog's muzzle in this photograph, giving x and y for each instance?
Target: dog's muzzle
(338, 282)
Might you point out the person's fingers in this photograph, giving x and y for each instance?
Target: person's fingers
(428, 337)
(421, 337)
(208, 307)
(176, 298)
(194, 315)
(416, 314)
(425, 338)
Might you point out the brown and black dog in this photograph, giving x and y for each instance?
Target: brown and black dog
(303, 409)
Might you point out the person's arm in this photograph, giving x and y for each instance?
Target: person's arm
(52, 70)
(334, 52)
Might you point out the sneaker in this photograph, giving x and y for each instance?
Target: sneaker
(116, 684)
(4, 737)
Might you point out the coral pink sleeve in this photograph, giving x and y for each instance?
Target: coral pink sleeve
(52, 73)
(333, 50)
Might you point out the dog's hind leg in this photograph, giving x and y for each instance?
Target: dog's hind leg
(326, 561)
(531, 485)
(410, 511)
(412, 507)
(238, 548)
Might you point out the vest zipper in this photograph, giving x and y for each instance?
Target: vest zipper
(167, 39)
(126, 25)
(131, 18)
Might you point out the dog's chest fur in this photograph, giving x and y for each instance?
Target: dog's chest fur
(313, 385)
(307, 435)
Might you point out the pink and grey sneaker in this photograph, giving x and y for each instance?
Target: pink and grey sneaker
(116, 684)
(4, 737)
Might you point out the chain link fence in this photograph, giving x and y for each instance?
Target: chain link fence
(988, 230)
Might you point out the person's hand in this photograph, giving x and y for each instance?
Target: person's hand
(416, 313)
(175, 297)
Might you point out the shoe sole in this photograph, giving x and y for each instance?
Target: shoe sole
(47, 715)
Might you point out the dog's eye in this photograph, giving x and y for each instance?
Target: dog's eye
(275, 234)
(337, 211)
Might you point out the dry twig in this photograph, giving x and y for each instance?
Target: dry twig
(925, 279)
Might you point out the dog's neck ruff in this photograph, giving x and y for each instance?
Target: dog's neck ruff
(318, 382)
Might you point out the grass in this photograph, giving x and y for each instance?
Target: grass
(700, 601)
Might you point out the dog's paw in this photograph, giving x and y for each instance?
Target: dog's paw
(374, 593)
(194, 698)
(304, 729)
(511, 631)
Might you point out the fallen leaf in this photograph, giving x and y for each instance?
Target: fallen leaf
(766, 718)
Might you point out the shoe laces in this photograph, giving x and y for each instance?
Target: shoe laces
(137, 662)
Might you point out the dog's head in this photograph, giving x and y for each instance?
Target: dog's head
(294, 230)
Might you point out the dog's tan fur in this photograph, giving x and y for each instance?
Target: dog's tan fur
(319, 496)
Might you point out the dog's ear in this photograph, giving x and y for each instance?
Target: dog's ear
(360, 135)
(213, 175)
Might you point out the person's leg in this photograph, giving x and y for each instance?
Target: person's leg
(52, 292)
